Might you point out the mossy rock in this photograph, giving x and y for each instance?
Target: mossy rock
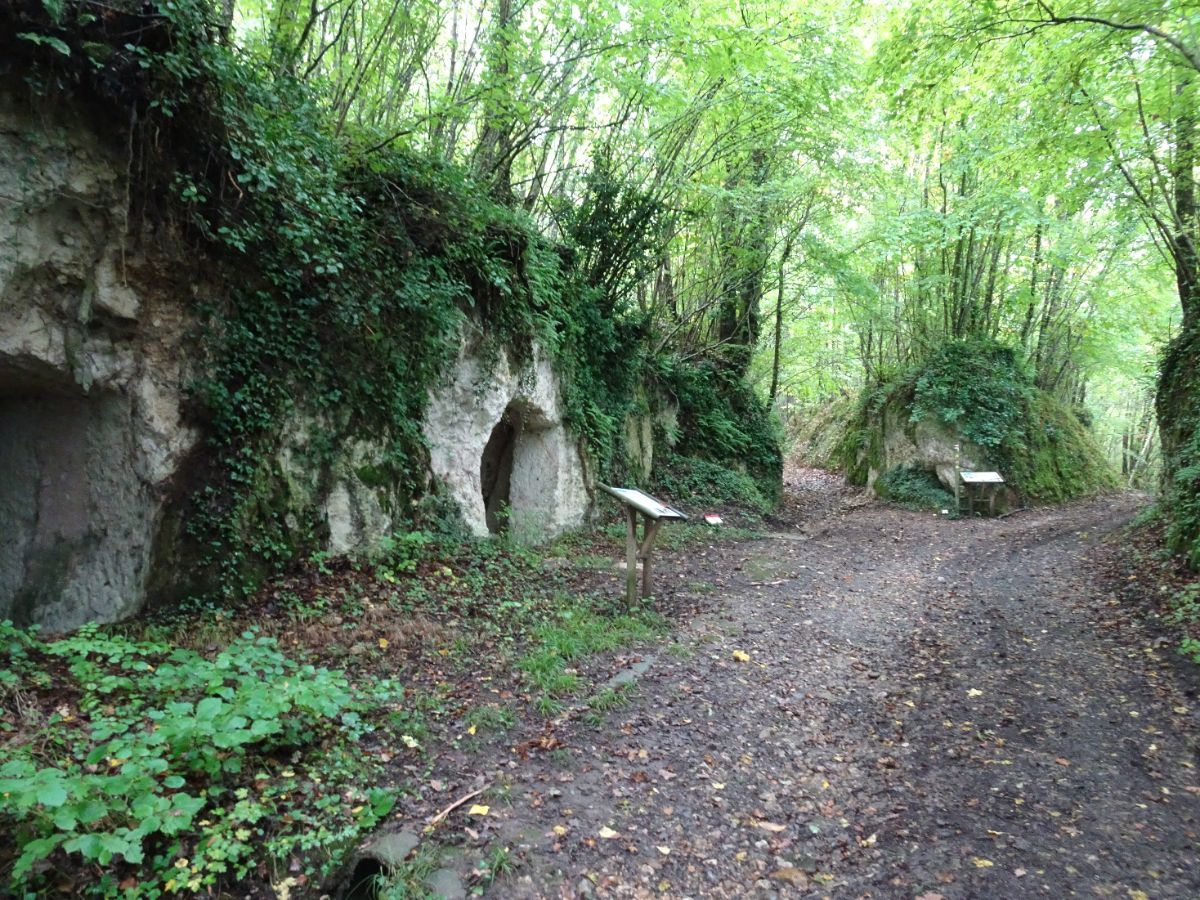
(980, 396)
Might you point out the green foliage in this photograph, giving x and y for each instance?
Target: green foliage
(1179, 425)
(1190, 647)
(722, 421)
(979, 387)
(1052, 456)
(182, 771)
(915, 488)
(859, 449)
(700, 482)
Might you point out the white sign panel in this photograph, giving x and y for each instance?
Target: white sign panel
(644, 503)
(982, 478)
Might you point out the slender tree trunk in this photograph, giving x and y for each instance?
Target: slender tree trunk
(1033, 277)
(493, 154)
(783, 258)
(1183, 175)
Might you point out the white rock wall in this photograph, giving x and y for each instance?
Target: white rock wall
(91, 371)
(928, 444)
(96, 349)
(549, 493)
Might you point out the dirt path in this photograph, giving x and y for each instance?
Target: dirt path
(884, 705)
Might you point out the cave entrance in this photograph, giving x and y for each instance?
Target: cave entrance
(73, 513)
(496, 470)
(519, 471)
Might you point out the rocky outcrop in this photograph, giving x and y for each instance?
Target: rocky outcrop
(499, 447)
(928, 444)
(97, 456)
(92, 366)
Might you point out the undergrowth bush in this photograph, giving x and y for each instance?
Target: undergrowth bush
(817, 433)
(980, 387)
(701, 482)
(162, 770)
(915, 488)
(724, 423)
(1178, 408)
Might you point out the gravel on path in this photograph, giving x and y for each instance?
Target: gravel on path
(893, 705)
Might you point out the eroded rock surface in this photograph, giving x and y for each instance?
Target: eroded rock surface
(91, 374)
(927, 444)
(98, 344)
(499, 447)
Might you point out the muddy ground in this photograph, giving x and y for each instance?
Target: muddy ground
(872, 702)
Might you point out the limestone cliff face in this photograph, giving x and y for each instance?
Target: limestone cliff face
(927, 444)
(92, 364)
(97, 348)
(499, 447)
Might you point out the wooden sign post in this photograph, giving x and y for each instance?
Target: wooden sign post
(653, 514)
(981, 488)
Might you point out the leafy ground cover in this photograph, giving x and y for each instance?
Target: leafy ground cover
(1154, 584)
(256, 747)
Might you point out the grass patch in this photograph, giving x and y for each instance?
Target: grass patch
(579, 632)
(491, 718)
(407, 880)
(605, 701)
(497, 864)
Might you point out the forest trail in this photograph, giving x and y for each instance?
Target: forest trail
(896, 706)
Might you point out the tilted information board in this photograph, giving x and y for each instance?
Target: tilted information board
(654, 512)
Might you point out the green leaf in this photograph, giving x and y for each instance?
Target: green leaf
(51, 795)
(47, 40)
(34, 851)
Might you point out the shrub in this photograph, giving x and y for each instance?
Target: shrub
(688, 478)
(722, 421)
(176, 772)
(978, 386)
(915, 488)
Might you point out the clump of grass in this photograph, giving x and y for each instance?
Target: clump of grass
(606, 701)
(407, 880)
(496, 864)
(579, 632)
(491, 718)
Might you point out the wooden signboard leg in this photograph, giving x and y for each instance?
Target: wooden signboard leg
(631, 555)
(649, 534)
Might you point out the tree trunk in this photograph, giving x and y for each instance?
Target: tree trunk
(493, 153)
(783, 258)
(1177, 403)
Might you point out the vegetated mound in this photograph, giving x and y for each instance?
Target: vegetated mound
(971, 404)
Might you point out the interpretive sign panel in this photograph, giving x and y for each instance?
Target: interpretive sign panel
(654, 512)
